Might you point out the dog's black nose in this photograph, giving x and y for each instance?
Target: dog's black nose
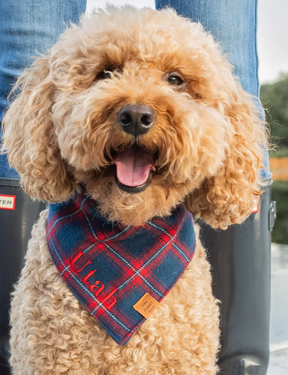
(136, 119)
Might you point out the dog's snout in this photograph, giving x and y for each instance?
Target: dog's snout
(136, 119)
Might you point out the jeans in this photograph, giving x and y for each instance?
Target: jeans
(28, 27)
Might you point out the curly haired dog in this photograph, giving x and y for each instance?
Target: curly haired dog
(197, 137)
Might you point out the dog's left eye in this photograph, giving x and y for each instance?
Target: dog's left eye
(175, 80)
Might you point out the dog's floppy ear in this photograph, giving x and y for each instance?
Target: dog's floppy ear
(229, 196)
(30, 140)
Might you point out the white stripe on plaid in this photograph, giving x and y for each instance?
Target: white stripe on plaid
(108, 238)
(81, 209)
(65, 217)
(181, 251)
(174, 245)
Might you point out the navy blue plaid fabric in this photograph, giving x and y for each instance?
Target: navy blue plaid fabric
(109, 267)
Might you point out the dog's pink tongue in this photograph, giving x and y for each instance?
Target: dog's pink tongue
(133, 166)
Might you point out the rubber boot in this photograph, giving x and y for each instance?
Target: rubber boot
(18, 213)
(240, 259)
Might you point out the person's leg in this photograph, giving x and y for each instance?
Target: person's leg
(240, 256)
(27, 28)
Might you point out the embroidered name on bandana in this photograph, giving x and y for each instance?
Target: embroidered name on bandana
(110, 268)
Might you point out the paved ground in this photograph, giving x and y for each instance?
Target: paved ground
(279, 311)
(278, 363)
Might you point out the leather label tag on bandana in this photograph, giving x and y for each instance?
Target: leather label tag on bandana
(119, 273)
(146, 305)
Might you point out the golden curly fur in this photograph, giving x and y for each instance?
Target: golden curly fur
(60, 131)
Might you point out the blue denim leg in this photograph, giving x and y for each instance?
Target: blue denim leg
(28, 27)
(233, 24)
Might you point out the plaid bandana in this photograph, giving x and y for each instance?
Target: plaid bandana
(112, 268)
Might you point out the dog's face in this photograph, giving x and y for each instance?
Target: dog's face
(142, 109)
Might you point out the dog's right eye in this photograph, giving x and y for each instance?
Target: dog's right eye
(105, 74)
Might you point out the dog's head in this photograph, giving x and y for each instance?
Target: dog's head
(141, 108)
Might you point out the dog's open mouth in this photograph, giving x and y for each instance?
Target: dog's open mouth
(134, 166)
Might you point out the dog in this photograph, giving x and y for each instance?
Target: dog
(140, 110)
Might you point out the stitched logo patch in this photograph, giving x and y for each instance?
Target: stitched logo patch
(7, 202)
(146, 305)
